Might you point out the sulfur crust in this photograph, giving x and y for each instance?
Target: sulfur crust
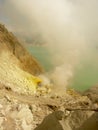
(14, 77)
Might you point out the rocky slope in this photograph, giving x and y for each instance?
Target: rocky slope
(9, 42)
(17, 65)
(21, 112)
(21, 109)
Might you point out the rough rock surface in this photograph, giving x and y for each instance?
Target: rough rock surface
(10, 43)
(51, 122)
(17, 65)
(23, 112)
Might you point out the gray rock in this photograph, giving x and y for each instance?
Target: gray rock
(51, 122)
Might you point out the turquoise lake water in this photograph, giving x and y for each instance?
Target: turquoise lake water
(86, 74)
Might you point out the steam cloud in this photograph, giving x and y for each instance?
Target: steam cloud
(69, 28)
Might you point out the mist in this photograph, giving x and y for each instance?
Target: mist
(68, 27)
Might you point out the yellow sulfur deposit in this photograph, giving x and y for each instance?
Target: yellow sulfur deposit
(33, 81)
(14, 77)
(18, 80)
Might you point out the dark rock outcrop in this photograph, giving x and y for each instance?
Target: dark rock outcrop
(51, 122)
(91, 123)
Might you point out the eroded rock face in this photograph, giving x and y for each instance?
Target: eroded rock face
(17, 66)
(13, 77)
(10, 43)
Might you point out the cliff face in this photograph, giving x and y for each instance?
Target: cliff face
(9, 42)
(17, 67)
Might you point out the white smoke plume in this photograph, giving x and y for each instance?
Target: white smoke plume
(69, 28)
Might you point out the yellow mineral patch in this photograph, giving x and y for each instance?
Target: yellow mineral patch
(35, 80)
(14, 77)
